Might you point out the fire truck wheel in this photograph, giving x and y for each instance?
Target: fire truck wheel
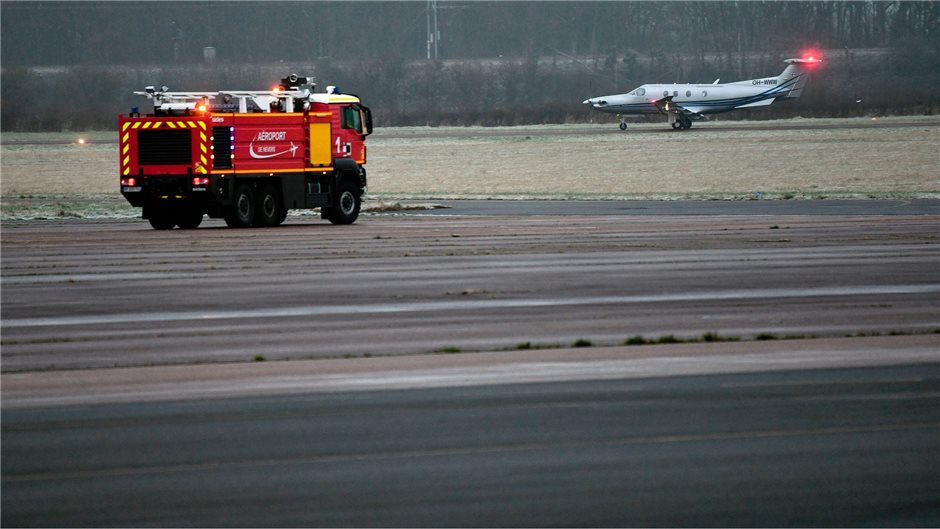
(242, 214)
(270, 211)
(160, 218)
(189, 219)
(347, 206)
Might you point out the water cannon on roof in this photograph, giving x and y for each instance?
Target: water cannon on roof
(294, 82)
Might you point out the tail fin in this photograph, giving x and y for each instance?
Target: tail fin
(796, 75)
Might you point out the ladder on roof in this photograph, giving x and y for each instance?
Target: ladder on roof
(301, 89)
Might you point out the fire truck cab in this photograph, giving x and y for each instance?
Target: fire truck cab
(245, 156)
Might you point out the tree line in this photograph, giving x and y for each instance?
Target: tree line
(528, 62)
(41, 33)
(481, 92)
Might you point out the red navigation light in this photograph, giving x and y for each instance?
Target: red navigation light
(812, 56)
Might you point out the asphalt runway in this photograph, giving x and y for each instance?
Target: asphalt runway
(421, 368)
(664, 208)
(81, 294)
(846, 447)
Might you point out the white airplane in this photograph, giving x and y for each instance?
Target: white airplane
(684, 102)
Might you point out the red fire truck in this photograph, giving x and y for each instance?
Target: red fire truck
(245, 156)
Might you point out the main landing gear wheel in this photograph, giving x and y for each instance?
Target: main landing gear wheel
(623, 122)
(682, 122)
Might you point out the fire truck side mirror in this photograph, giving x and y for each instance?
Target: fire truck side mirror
(366, 118)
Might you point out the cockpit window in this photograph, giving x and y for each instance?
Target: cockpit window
(351, 118)
(641, 91)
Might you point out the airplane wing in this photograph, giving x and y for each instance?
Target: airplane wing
(667, 106)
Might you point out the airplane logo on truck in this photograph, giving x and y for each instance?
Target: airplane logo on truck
(268, 151)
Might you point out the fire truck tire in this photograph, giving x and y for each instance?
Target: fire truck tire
(270, 211)
(242, 214)
(160, 219)
(189, 219)
(348, 203)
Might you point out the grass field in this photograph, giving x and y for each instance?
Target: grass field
(51, 174)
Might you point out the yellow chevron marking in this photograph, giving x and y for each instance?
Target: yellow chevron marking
(157, 124)
(127, 160)
(203, 159)
(170, 124)
(126, 124)
(147, 125)
(125, 149)
(202, 124)
(191, 124)
(126, 136)
(127, 171)
(138, 124)
(202, 146)
(202, 136)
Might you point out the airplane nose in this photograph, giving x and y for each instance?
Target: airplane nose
(586, 102)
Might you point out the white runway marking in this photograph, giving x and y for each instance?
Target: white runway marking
(464, 305)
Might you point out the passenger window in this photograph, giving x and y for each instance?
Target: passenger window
(675, 93)
(688, 93)
(665, 93)
(704, 93)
